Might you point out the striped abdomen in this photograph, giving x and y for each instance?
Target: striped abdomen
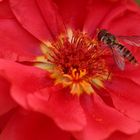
(126, 53)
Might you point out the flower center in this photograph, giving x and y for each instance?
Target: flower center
(76, 61)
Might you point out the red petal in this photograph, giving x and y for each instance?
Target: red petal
(136, 136)
(51, 16)
(5, 118)
(29, 16)
(5, 11)
(121, 136)
(64, 108)
(16, 43)
(113, 16)
(103, 120)
(24, 79)
(120, 15)
(32, 126)
(73, 12)
(97, 12)
(131, 72)
(6, 102)
(125, 96)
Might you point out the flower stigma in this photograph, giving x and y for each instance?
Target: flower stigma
(75, 60)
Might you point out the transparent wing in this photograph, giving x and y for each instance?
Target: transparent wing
(131, 40)
(118, 58)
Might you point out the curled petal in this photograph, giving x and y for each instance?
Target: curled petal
(103, 120)
(29, 16)
(125, 96)
(97, 12)
(32, 126)
(123, 136)
(116, 20)
(113, 16)
(64, 108)
(24, 79)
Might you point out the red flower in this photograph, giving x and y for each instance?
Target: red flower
(123, 136)
(31, 126)
(52, 66)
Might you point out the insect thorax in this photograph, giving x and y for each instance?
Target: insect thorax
(106, 38)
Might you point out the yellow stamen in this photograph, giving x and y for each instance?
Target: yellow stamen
(75, 61)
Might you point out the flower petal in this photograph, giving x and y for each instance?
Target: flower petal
(32, 126)
(29, 16)
(133, 73)
(64, 108)
(24, 79)
(123, 136)
(73, 12)
(6, 102)
(49, 11)
(5, 11)
(97, 13)
(125, 96)
(5, 118)
(113, 15)
(120, 15)
(103, 120)
(16, 43)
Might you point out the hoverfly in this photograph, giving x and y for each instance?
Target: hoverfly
(119, 51)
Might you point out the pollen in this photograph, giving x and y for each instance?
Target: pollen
(76, 61)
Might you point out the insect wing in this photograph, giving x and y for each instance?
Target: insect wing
(118, 58)
(130, 40)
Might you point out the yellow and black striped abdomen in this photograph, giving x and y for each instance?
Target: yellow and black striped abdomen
(126, 53)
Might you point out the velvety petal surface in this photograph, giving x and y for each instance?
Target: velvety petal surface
(24, 79)
(64, 108)
(6, 101)
(102, 120)
(4, 119)
(113, 15)
(32, 88)
(16, 43)
(73, 12)
(30, 17)
(133, 73)
(32, 126)
(49, 11)
(5, 11)
(98, 11)
(122, 136)
(125, 96)
(124, 13)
